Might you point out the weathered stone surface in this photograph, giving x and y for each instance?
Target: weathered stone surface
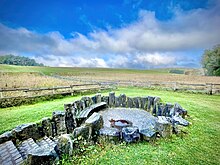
(88, 101)
(167, 109)
(155, 106)
(122, 100)
(105, 99)
(94, 99)
(130, 103)
(179, 120)
(40, 156)
(9, 154)
(148, 134)
(150, 103)
(98, 97)
(77, 106)
(47, 126)
(130, 134)
(144, 103)
(111, 99)
(109, 135)
(137, 102)
(163, 126)
(70, 115)
(95, 121)
(84, 131)
(65, 144)
(82, 104)
(47, 143)
(25, 131)
(59, 119)
(179, 110)
(117, 104)
(160, 109)
(7, 136)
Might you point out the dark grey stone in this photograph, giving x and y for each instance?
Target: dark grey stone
(137, 102)
(83, 131)
(70, 115)
(65, 144)
(150, 103)
(105, 99)
(109, 134)
(47, 126)
(167, 109)
(155, 107)
(163, 126)
(77, 106)
(148, 134)
(94, 99)
(117, 104)
(5, 137)
(98, 97)
(179, 120)
(144, 103)
(58, 117)
(111, 99)
(25, 131)
(122, 100)
(130, 134)
(130, 103)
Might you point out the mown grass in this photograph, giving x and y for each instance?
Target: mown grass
(199, 146)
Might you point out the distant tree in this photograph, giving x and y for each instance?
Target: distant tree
(18, 60)
(211, 61)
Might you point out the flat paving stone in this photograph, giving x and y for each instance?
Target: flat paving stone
(9, 155)
(140, 118)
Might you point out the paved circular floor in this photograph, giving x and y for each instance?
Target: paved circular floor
(140, 118)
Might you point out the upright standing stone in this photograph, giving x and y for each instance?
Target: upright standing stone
(77, 106)
(156, 103)
(65, 144)
(167, 109)
(47, 126)
(117, 104)
(137, 102)
(82, 104)
(122, 100)
(163, 126)
(105, 99)
(160, 109)
(150, 103)
(144, 103)
(59, 120)
(94, 99)
(130, 103)
(70, 117)
(98, 97)
(112, 99)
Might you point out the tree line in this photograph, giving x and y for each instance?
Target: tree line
(18, 60)
(211, 61)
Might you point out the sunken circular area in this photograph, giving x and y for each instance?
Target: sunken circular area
(140, 118)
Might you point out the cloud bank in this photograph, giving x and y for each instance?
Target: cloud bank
(145, 43)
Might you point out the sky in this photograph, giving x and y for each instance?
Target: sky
(139, 34)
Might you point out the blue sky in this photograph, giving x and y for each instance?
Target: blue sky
(138, 34)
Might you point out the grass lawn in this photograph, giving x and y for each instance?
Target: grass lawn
(199, 146)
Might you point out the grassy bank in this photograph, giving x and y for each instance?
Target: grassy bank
(199, 146)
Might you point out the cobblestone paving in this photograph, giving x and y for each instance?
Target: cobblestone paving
(9, 154)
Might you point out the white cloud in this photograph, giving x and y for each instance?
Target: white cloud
(146, 42)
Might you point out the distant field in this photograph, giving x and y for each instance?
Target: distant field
(29, 76)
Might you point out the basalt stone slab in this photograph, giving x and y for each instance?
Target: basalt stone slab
(98, 97)
(105, 99)
(70, 117)
(179, 120)
(88, 101)
(122, 100)
(150, 103)
(109, 135)
(77, 106)
(144, 102)
(9, 154)
(148, 134)
(179, 110)
(167, 109)
(7, 136)
(130, 134)
(163, 126)
(65, 144)
(95, 121)
(59, 119)
(160, 109)
(40, 156)
(25, 131)
(83, 131)
(117, 104)
(137, 102)
(82, 104)
(111, 99)
(130, 103)
(155, 107)
(94, 99)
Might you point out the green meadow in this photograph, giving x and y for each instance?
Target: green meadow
(200, 145)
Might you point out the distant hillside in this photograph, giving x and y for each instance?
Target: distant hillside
(18, 60)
